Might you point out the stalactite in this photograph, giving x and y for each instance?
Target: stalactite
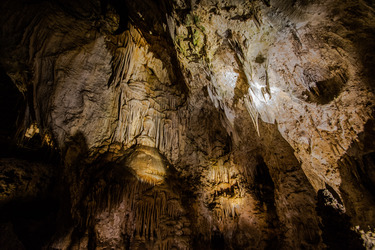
(253, 112)
(171, 26)
(150, 209)
(124, 48)
(227, 194)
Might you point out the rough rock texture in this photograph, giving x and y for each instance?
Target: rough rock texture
(187, 124)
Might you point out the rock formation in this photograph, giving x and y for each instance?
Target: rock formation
(180, 124)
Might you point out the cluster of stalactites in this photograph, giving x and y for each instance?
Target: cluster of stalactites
(154, 206)
(227, 192)
(151, 206)
(124, 48)
(107, 196)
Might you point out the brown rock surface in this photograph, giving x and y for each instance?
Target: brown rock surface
(187, 124)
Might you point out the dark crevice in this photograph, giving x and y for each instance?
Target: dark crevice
(218, 241)
(264, 190)
(323, 87)
(335, 223)
(11, 102)
(366, 170)
(34, 222)
(263, 184)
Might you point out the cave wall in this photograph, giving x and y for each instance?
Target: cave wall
(177, 124)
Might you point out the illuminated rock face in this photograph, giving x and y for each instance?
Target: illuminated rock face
(187, 124)
(147, 164)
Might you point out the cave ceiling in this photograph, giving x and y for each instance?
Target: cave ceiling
(187, 124)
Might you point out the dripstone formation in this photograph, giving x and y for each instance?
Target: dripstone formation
(177, 124)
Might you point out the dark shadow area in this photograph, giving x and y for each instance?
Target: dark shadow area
(335, 223)
(264, 190)
(324, 91)
(362, 34)
(33, 219)
(34, 222)
(360, 158)
(366, 170)
(217, 241)
(364, 156)
(357, 170)
(29, 203)
(263, 184)
(73, 183)
(11, 106)
(25, 222)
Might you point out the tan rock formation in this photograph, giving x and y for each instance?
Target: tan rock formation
(188, 124)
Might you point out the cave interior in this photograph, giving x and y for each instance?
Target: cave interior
(187, 124)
